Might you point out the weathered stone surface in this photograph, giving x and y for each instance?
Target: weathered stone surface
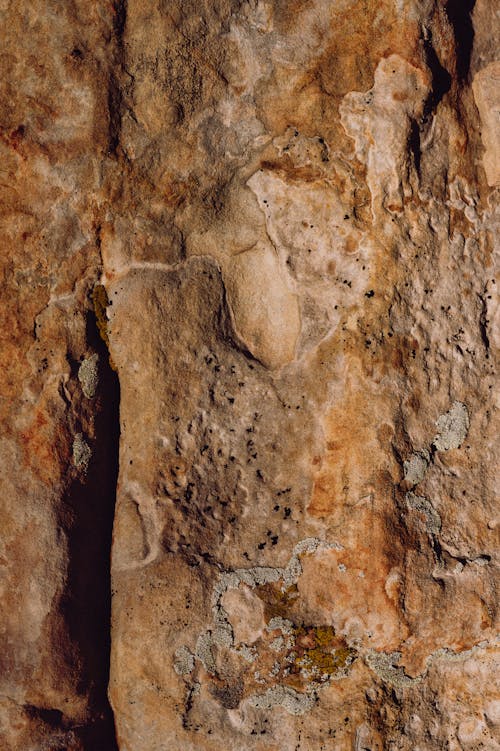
(267, 229)
(58, 466)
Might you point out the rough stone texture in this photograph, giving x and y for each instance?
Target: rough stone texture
(266, 229)
(58, 460)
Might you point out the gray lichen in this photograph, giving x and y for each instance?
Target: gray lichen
(221, 635)
(282, 696)
(278, 644)
(204, 651)
(183, 661)
(283, 624)
(248, 653)
(452, 428)
(416, 466)
(88, 375)
(310, 545)
(82, 452)
(425, 507)
(386, 667)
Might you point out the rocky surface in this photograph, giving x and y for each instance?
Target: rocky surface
(250, 321)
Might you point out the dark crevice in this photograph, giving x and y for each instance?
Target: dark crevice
(441, 78)
(414, 145)
(54, 718)
(437, 549)
(459, 14)
(120, 9)
(90, 505)
(483, 324)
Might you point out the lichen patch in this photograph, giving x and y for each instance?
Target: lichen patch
(452, 428)
(283, 653)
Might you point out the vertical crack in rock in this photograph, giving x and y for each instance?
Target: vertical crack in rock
(91, 504)
(459, 13)
(441, 78)
(414, 145)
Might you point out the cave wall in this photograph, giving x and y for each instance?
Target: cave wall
(250, 327)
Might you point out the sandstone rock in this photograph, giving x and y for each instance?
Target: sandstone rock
(266, 231)
(59, 447)
(485, 87)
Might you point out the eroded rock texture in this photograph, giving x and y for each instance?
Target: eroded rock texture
(266, 230)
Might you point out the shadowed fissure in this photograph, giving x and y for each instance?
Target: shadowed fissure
(92, 505)
(459, 14)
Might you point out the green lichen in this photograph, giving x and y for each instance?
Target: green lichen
(328, 662)
(324, 635)
(320, 651)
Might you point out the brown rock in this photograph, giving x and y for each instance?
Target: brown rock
(265, 230)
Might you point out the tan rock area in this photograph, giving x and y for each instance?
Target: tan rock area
(249, 329)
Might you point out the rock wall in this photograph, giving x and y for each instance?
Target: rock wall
(250, 322)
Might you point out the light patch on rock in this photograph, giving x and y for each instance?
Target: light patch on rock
(326, 259)
(471, 731)
(183, 661)
(364, 738)
(486, 88)
(452, 428)
(386, 667)
(292, 701)
(492, 712)
(246, 613)
(264, 310)
(88, 375)
(379, 122)
(425, 507)
(416, 466)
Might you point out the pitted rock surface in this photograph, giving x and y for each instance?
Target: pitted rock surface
(250, 327)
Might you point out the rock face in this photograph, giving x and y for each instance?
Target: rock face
(250, 296)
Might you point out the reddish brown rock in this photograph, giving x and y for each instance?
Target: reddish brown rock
(58, 464)
(267, 230)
